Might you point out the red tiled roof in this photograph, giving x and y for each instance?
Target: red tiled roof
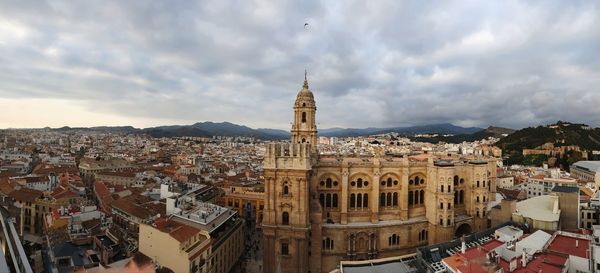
(509, 194)
(570, 245)
(6, 187)
(101, 190)
(179, 231)
(45, 169)
(120, 174)
(25, 194)
(133, 206)
(492, 244)
(66, 194)
(547, 263)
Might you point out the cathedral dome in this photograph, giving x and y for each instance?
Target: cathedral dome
(305, 97)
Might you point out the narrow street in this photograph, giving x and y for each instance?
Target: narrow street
(252, 257)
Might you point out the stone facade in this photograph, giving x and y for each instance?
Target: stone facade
(320, 209)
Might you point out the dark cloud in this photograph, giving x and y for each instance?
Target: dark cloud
(508, 63)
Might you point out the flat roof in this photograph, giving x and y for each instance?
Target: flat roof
(566, 189)
(571, 245)
(592, 166)
(539, 208)
(509, 230)
(209, 216)
(390, 265)
(547, 263)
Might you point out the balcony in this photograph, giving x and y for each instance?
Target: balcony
(288, 195)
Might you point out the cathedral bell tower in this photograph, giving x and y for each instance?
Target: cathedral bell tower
(287, 169)
(304, 127)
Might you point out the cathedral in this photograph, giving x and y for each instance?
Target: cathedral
(323, 209)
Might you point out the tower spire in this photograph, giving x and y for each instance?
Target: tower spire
(305, 80)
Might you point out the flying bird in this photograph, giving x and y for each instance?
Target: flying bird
(305, 25)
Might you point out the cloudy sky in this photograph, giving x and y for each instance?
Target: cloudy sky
(370, 63)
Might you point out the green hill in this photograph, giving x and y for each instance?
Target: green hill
(559, 134)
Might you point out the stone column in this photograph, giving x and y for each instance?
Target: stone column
(302, 255)
(375, 196)
(403, 194)
(344, 196)
(269, 254)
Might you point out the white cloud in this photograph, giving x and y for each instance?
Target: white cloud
(507, 63)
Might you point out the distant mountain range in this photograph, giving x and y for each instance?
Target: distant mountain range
(442, 128)
(497, 132)
(199, 129)
(511, 142)
(209, 129)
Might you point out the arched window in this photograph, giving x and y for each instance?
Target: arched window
(322, 200)
(328, 183)
(366, 200)
(416, 201)
(359, 200)
(410, 198)
(394, 240)
(328, 200)
(483, 183)
(484, 199)
(423, 235)
(422, 197)
(285, 218)
(462, 197)
(327, 244)
(284, 249)
(303, 117)
(382, 199)
(389, 182)
(455, 197)
(335, 200)
(286, 190)
(388, 199)
(442, 188)
(477, 199)
(456, 180)
(478, 183)
(352, 200)
(395, 203)
(449, 206)
(359, 183)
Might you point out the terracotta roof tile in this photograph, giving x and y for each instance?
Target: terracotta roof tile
(25, 194)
